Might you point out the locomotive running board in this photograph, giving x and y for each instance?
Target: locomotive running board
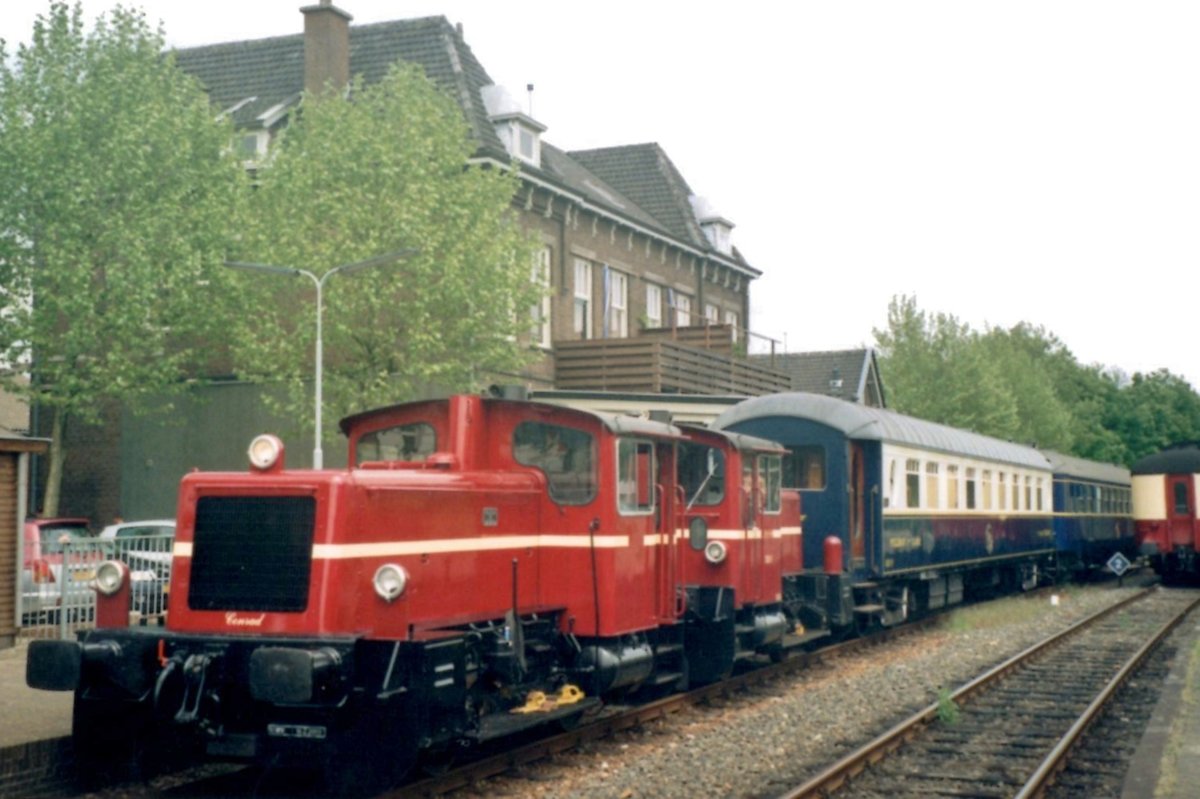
(497, 725)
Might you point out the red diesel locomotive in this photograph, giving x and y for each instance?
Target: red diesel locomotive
(480, 566)
(1165, 510)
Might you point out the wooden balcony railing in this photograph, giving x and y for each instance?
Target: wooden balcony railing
(656, 363)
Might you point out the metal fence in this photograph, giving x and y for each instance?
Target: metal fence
(57, 595)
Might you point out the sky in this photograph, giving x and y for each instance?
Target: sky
(1002, 162)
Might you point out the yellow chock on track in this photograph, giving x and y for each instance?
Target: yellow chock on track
(538, 702)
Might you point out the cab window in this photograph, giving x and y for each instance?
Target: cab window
(702, 474)
(565, 455)
(409, 443)
(770, 469)
(636, 472)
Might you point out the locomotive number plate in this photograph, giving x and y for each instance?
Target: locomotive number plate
(306, 731)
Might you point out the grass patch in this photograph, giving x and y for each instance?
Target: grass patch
(947, 709)
(1001, 613)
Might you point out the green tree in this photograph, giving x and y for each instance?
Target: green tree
(377, 169)
(1154, 411)
(115, 188)
(1022, 358)
(934, 368)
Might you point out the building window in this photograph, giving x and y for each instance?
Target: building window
(682, 304)
(539, 313)
(582, 319)
(712, 314)
(731, 319)
(617, 324)
(912, 482)
(654, 317)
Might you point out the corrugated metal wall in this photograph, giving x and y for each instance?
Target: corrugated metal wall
(9, 530)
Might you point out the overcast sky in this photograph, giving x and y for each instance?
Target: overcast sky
(1003, 161)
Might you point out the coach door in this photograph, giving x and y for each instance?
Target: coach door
(1181, 510)
(858, 548)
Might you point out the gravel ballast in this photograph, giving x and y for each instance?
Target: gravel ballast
(765, 740)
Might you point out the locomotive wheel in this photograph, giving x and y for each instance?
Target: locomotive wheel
(375, 753)
(112, 743)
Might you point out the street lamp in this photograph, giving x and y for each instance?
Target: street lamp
(319, 282)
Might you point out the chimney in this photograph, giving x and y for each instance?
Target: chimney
(326, 47)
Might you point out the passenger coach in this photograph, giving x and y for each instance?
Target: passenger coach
(913, 514)
(1092, 513)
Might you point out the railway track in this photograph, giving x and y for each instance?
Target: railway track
(1008, 732)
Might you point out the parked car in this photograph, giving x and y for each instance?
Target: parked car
(45, 588)
(144, 546)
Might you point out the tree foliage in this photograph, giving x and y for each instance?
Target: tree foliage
(377, 169)
(115, 190)
(1023, 384)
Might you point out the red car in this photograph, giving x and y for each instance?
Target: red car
(43, 592)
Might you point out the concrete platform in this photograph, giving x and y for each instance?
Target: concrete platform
(27, 715)
(1166, 764)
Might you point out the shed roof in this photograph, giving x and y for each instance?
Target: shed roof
(877, 424)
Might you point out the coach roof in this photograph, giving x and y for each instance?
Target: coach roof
(876, 424)
(1070, 466)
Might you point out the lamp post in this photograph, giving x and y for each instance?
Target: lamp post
(319, 282)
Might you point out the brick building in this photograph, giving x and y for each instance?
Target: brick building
(646, 291)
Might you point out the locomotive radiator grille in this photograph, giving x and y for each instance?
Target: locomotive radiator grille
(252, 553)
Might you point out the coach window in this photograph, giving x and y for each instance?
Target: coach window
(1028, 492)
(1016, 491)
(635, 476)
(912, 483)
(804, 468)
(771, 472)
(1040, 487)
(952, 487)
(931, 486)
(1001, 491)
(407, 443)
(970, 489)
(565, 455)
(702, 473)
(987, 489)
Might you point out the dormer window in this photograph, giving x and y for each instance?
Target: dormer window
(717, 229)
(520, 133)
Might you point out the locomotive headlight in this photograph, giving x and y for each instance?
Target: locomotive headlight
(110, 575)
(390, 581)
(714, 552)
(265, 451)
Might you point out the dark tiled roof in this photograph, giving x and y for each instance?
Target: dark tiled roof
(643, 173)
(258, 81)
(256, 76)
(820, 372)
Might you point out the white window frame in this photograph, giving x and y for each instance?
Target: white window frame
(539, 313)
(683, 309)
(712, 314)
(654, 305)
(618, 304)
(732, 318)
(581, 310)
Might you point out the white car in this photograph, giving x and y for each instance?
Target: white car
(144, 546)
